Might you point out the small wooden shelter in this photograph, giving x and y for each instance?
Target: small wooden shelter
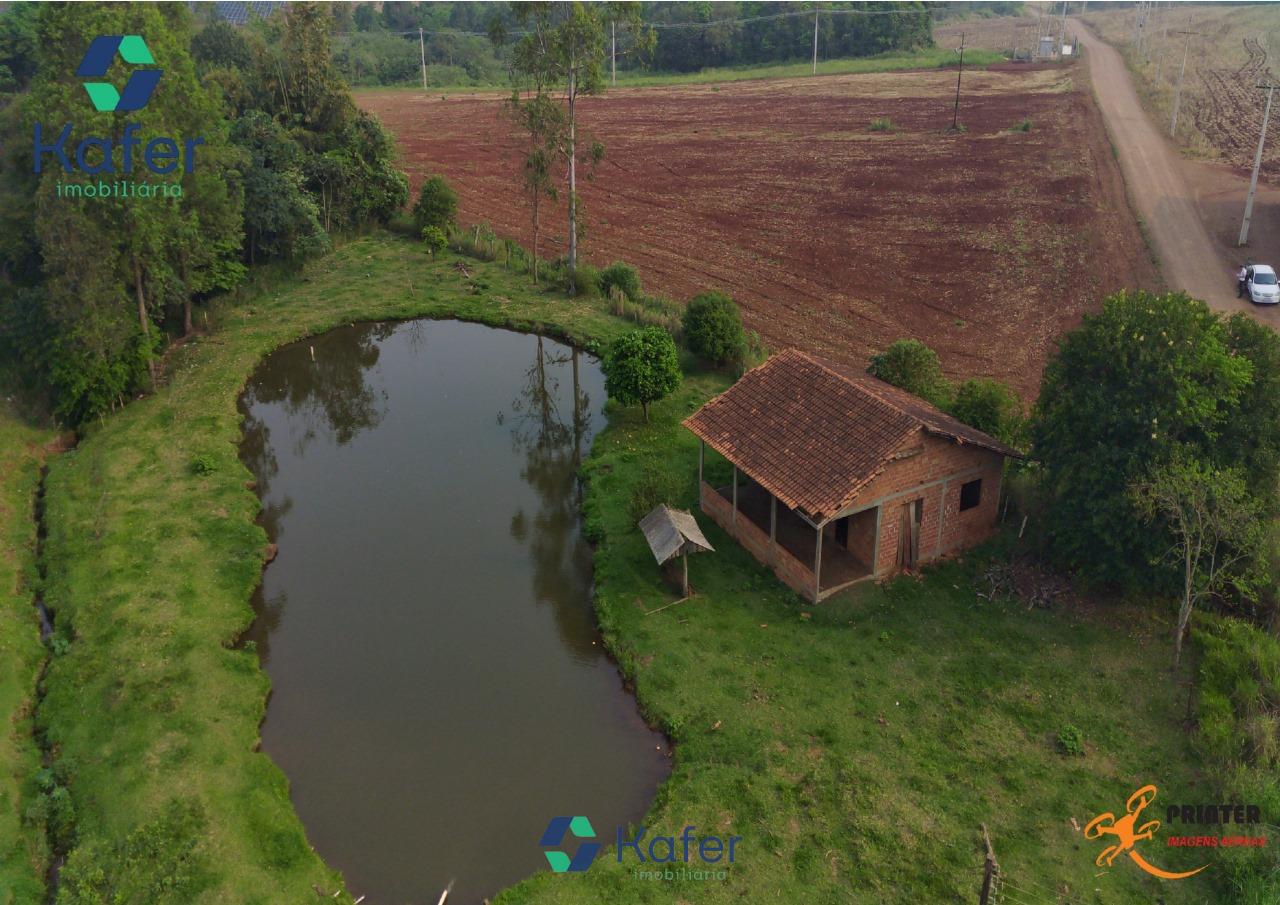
(671, 533)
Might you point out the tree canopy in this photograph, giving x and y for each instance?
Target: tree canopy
(642, 367)
(1149, 378)
(89, 286)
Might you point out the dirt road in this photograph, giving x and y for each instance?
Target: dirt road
(1155, 173)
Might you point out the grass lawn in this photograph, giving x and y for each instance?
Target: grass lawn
(22, 842)
(856, 750)
(858, 745)
(930, 58)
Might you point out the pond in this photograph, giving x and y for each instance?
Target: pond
(439, 686)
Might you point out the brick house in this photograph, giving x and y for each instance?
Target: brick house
(839, 477)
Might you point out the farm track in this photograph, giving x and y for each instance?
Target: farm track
(985, 244)
(1163, 195)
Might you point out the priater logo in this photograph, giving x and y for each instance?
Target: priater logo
(1128, 834)
(97, 60)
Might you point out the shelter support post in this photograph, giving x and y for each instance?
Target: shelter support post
(735, 496)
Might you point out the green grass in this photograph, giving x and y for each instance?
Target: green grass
(858, 745)
(856, 751)
(22, 845)
(930, 58)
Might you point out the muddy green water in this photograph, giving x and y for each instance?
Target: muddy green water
(439, 687)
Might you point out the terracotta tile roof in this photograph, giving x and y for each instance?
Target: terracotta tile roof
(813, 433)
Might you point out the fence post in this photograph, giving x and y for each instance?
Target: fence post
(989, 870)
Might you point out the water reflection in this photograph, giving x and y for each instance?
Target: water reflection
(439, 686)
(550, 440)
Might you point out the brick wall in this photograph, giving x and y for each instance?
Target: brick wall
(929, 469)
(790, 571)
(933, 469)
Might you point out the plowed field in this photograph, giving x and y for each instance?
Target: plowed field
(836, 239)
(1230, 111)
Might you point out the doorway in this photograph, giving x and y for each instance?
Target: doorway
(909, 534)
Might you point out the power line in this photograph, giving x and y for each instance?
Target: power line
(665, 26)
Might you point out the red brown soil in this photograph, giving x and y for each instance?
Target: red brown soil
(1230, 113)
(985, 244)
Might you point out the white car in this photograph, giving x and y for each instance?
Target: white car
(1262, 285)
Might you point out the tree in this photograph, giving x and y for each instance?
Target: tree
(437, 204)
(280, 218)
(1145, 378)
(911, 365)
(565, 46)
(713, 328)
(625, 21)
(642, 366)
(220, 45)
(1217, 527)
(19, 46)
(543, 120)
(1251, 436)
(106, 263)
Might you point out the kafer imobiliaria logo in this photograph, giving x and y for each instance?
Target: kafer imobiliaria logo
(687, 856)
(1203, 818)
(111, 160)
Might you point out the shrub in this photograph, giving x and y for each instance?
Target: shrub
(437, 204)
(479, 242)
(911, 365)
(435, 240)
(642, 367)
(883, 124)
(1023, 126)
(583, 280)
(992, 408)
(713, 328)
(203, 464)
(623, 277)
(1071, 741)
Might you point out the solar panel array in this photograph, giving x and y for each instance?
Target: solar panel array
(238, 13)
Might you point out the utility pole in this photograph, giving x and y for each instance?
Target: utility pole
(1257, 165)
(422, 49)
(955, 116)
(1062, 34)
(815, 39)
(613, 55)
(1177, 95)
